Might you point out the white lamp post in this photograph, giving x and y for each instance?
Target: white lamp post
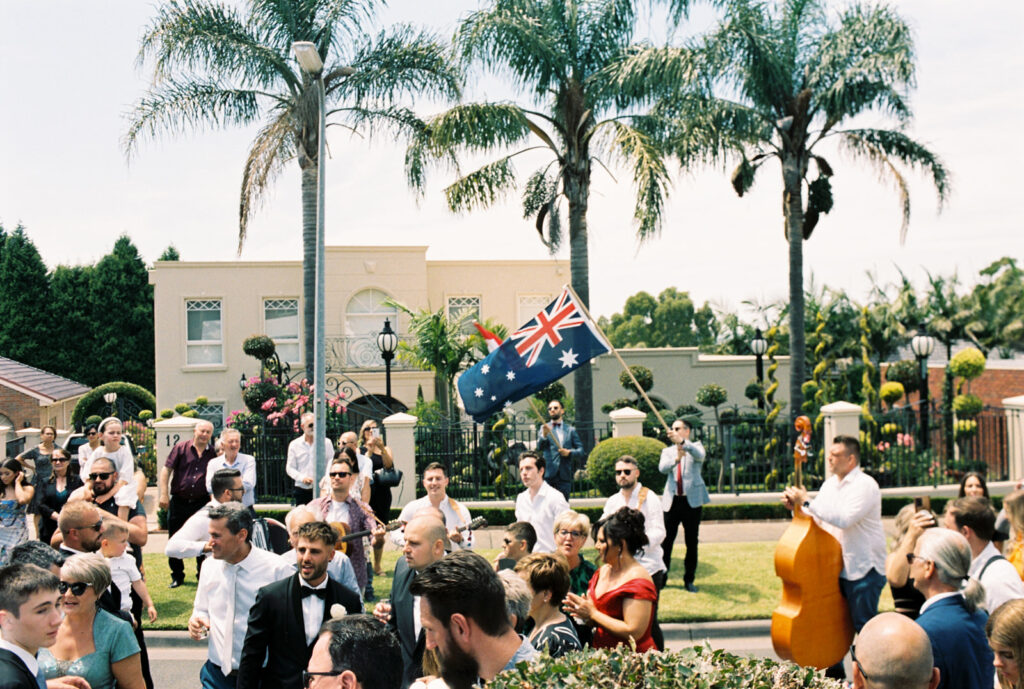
(922, 345)
(759, 346)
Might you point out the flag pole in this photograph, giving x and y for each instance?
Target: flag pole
(636, 383)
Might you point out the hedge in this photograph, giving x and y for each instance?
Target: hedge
(92, 402)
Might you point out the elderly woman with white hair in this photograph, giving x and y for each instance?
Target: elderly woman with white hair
(92, 643)
(950, 614)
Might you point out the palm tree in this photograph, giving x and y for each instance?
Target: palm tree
(786, 80)
(563, 56)
(215, 64)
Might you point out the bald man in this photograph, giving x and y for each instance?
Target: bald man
(893, 652)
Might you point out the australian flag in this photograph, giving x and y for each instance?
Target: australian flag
(556, 341)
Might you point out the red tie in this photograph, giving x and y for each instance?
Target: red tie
(679, 474)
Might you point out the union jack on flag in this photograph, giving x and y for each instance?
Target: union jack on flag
(556, 341)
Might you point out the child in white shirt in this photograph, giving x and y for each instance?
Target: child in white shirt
(123, 571)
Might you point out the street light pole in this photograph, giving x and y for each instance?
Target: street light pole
(922, 345)
(311, 63)
(387, 343)
(759, 346)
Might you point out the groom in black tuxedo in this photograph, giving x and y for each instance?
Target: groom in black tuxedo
(286, 618)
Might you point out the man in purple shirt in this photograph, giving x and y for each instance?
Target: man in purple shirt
(183, 487)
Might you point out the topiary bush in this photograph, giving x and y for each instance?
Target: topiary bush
(601, 462)
(258, 391)
(967, 364)
(92, 401)
(643, 375)
(259, 346)
(689, 668)
(202, 401)
(181, 408)
(967, 405)
(166, 413)
(93, 420)
(712, 395)
(906, 372)
(145, 415)
(891, 392)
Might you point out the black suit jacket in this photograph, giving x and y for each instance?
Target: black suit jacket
(404, 625)
(276, 625)
(14, 674)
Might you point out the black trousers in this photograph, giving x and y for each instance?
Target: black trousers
(302, 496)
(681, 513)
(177, 514)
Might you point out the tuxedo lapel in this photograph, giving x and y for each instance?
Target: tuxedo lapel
(294, 608)
(11, 666)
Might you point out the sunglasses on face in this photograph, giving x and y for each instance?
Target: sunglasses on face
(77, 588)
(101, 475)
(55, 460)
(507, 541)
(340, 474)
(623, 472)
(91, 434)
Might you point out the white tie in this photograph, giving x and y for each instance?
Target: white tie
(230, 572)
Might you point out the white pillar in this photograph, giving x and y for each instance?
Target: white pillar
(31, 436)
(401, 430)
(170, 432)
(5, 432)
(1015, 436)
(841, 418)
(627, 422)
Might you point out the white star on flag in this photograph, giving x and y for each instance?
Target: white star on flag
(511, 375)
(485, 369)
(568, 359)
(494, 398)
(479, 392)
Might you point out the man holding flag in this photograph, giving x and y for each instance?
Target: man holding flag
(560, 445)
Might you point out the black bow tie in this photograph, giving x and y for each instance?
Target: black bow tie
(320, 593)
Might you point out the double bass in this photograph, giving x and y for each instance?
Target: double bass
(811, 626)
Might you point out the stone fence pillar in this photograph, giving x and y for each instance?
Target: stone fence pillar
(170, 432)
(841, 418)
(401, 430)
(5, 433)
(1015, 436)
(31, 436)
(627, 422)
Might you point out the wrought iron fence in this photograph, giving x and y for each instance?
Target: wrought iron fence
(270, 448)
(483, 462)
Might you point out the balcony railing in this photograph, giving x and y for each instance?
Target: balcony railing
(360, 352)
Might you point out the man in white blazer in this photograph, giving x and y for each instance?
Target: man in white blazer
(684, 497)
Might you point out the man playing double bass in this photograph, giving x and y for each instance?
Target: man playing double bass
(849, 506)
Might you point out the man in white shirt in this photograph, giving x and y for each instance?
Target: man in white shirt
(301, 464)
(849, 506)
(975, 520)
(541, 503)
(435, 480)
(227, 590)
(193, 538)
(684, 498)
(339, 568)
(230, 444)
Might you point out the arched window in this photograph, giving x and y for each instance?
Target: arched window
(364, 318)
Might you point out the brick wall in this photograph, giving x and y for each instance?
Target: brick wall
(992, 386)
(19, 407)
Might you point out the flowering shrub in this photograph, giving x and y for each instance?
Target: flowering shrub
(282, 406)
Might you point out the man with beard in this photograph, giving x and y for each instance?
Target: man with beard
(560, 445)
(355, 652)
(435, 482)
(286, 618)
(339, 568)
(462, 608)
(81, 524)
(424, 545)
(100, 488)
(636, 496)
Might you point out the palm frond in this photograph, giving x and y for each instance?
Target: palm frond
(176, 107)
(540, 191)
(401, 62)
(196, 36)
(481, 188)
(882, 148)
(607, 30)
(650, 175)
(390, 119)
(709, 130)
(478, 127)
(648, 72)
(274, 146)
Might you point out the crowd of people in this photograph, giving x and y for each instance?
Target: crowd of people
(72, 603)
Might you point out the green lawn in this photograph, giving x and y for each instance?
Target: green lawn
(736, 580)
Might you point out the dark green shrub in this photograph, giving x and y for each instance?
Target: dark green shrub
(202, 401)
(167, 414)
(907, 372)
(258, 392)
(92, 402)
(259, 346)
(554, 391)
(601, 463)
(181, 408)
(145, 415)
(643, 376)
(93, 420)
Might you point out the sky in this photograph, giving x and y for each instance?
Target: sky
(68, 76)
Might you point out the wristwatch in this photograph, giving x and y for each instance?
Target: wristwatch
(807, 503)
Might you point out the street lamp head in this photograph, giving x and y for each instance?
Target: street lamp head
(387, 340)
(922, 344)
(308, 57)
(110, 397)
(758, 345)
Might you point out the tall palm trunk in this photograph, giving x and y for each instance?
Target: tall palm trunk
(577, 186)
(792, 203)
(309, 220)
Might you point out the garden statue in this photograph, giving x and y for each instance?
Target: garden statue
(802, 446)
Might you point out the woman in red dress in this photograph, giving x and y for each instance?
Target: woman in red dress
(620, 601)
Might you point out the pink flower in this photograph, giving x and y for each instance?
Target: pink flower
(269, 404)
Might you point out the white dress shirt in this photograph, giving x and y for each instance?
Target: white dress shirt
(651, 557)
(851, 510)
(302, 460)
(245, 464)
(225, 595)
(190, 540)
(1000, 580)
(312, 610)
(339, 569)
(454, 517)
(541, 511)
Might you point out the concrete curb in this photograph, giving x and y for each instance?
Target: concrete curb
(674, 631)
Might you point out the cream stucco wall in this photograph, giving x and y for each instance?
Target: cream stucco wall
(403, 273)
